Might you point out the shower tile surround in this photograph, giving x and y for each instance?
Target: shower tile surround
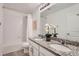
(73, 45)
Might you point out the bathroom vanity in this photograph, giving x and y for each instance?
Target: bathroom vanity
(40, 47)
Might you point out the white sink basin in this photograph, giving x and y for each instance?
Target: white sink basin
(60, 47)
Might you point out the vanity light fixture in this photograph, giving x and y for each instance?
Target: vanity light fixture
(44, 6)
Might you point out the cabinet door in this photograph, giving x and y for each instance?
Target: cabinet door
(35, 52)
(33, 49)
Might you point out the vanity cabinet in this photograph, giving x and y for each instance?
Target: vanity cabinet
(37, 50)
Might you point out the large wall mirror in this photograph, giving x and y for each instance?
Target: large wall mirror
(65, 16)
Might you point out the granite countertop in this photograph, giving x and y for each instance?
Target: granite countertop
(45, 44)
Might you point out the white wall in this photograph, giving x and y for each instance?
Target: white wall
(67, 21)
(12, 30)
(36, 16)
(42, 24)
(1, 27)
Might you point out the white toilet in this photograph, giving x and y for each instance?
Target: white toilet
(25, 46)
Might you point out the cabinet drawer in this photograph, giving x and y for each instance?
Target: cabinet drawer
(46, 52)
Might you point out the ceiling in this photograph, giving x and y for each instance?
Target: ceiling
(30, 7)
(56, 7)
(22, 7)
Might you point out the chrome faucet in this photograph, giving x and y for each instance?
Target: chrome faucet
(63, 42)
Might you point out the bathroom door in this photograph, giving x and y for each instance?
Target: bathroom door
(73, 26)
(1, 37)
(1, 28)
